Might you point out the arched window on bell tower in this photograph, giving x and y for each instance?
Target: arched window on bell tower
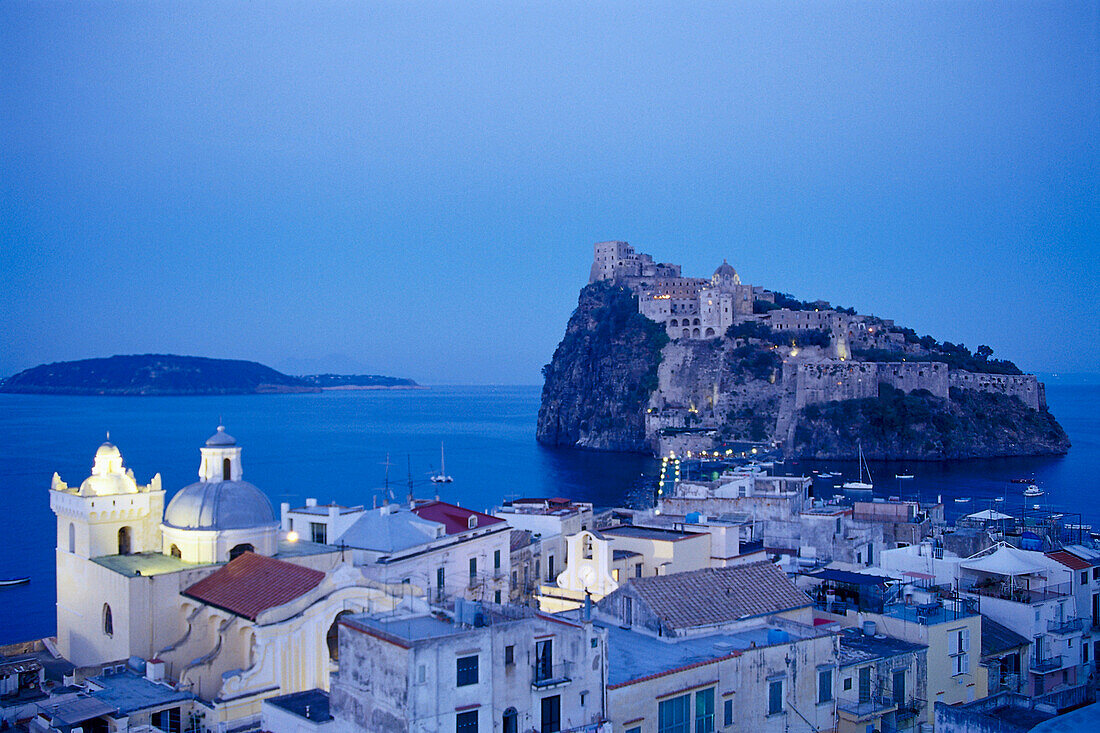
(227, 469)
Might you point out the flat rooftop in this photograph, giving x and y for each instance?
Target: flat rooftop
(309, 704)
(857, 647)
(927, 616)
(633, 655)
(321, 510)
(144, 563)
(410, 629)
(130, 692)
(647, 533)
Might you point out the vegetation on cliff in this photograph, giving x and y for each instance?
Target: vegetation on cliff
(601, 376)
(153, 374)
(919, 426)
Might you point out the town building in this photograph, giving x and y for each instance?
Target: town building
(542, 525)
(732, 648)
(882, 681)
(478, 667)
(438, 550)
(320, 523)
(598, 561)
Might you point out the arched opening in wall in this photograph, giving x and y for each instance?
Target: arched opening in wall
(687, 333)
(332, 638)
(511, 721)
(175, 552)
(695, 322)
(72, 537)
(226, 464)
(674, 323)
(695, 333)
(238, 550)
(586, 547)
(710, 332)
(108, 621)
(124, 541)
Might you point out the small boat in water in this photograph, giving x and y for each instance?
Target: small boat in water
(1022, 480)
(861, 485)
(1033, 490)
(999, 498)
(962, 499)
(14, 581)
(442, 477)
(904, 475)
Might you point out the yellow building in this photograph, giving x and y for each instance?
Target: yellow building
(130, 579)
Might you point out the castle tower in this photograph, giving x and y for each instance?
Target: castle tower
(108, 518)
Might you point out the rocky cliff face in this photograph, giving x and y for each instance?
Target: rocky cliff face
(602, 374)
(919, 426)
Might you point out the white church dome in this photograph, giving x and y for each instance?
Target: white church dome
(220, 499)
(218, 505)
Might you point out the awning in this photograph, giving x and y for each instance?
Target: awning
(1004, 561)
(845, 576)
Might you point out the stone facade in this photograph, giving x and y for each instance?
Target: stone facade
(1025, 386)
(826, 381)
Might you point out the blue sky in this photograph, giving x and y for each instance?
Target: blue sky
(414, 188)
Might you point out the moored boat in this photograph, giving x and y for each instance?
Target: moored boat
(1033, 490)
(14, 581)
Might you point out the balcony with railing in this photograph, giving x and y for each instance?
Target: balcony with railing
(1046, 664)
(1066, 627)
(866, 707)
(1008, 592)
(550, 675)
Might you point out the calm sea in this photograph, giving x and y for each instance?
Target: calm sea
(333, 447)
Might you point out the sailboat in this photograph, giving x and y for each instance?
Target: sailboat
(860, 485)
(441, 477)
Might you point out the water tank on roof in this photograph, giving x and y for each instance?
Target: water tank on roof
(778, 636)
(869, 628)
(693, 517)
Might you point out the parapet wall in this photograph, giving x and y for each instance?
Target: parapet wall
(1025, 386)
(852, 380)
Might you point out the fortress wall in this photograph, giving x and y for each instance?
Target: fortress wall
(835, 380)
(1025, 386)
(847, 380)
(910, 376)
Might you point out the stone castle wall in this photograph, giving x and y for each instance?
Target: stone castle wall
(819, 382)
(1025, 386)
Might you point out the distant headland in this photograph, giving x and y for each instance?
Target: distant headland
(170, 374)
(655, 361)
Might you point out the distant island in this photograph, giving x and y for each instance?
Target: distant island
(359, 381)
(170, 374)
(653, 361)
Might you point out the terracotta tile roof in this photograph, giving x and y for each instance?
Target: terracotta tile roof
(454, 518)
(1070, 560)
(250, 584)
(717, 595)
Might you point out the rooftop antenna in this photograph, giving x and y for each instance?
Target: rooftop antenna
(408, 459)
(389, 494)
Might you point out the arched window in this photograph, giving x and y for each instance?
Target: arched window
(695, 333)
(332, 638)
(710, 332)
(175, 552)
(586, 549)
(687, 333)
(674, 323)
(72, 537)
(240, 549)
(124, 541)
(226, 473)
(695, 322)
(511, 721)
(108, 621)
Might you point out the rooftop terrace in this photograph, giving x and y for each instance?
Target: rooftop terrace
(633, 655)
(128, 692)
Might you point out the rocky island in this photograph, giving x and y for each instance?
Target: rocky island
(154, 374)
(654, 362)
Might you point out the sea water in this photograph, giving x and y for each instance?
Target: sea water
(335, 446)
